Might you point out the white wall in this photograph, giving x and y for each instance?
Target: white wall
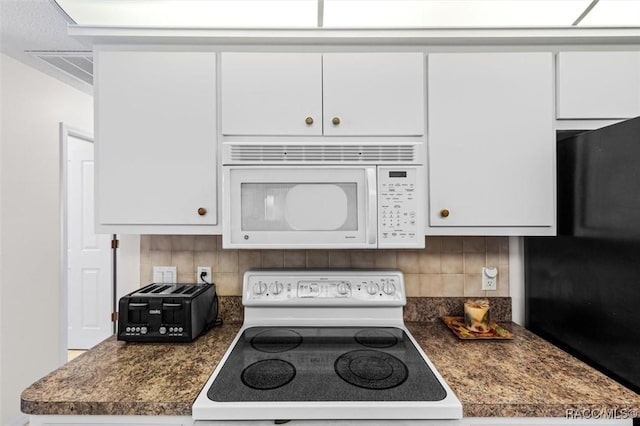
(32, 106)
(1, 269)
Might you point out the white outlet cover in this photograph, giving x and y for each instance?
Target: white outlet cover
(165, 274)
(490, 278)
(206, 270)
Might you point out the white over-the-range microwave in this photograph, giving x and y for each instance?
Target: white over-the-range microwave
(323, 196)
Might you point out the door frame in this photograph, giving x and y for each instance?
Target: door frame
(65, 132)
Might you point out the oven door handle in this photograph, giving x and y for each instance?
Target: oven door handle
(372, 202)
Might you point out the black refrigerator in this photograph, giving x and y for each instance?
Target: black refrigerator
(582, 288)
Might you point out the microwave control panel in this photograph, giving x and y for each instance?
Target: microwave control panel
(399, 202)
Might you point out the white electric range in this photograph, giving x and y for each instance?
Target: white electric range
(324, 345)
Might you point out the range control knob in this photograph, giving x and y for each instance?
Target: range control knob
(389, 288)
(163, 330)
(260, 288)
(276, 287)
(343, 288)
(372, 288)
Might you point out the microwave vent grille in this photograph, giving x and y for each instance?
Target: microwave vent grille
(323, 153)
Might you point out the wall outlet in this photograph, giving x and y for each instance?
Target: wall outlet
(490, 278)
(165, 274)
(206, 278)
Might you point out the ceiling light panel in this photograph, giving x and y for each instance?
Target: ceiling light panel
(614, 13)
(451, 13)
(193, 13)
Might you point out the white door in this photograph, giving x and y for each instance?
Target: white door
(491, 141)
(156, 138)
(598, 85)
(373, 94)
(271, 93)
(89, 254)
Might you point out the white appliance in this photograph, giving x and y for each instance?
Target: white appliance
(325, 345)
(323, 196)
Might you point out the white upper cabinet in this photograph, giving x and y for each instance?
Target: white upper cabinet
(373, 94)
(155, 138)
(491, 151)
(598, 85)
(271, 93)
(365, 94)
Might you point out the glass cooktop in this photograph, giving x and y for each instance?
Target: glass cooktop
(325, 364)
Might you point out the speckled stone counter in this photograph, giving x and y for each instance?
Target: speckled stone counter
(117, 378)
(523, 377)
(526, 376)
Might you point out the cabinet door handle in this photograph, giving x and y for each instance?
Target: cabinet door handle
(309, 120)
(335, 121)
(444, 213)
(202, 211)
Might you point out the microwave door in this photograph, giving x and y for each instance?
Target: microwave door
(321, 207)
(296, 207)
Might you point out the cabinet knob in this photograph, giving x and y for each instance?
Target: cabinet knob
(309, 120)
(202, 211)
(444, 213)
(335, 121)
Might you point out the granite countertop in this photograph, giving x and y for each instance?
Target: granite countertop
(117, 378)
(525, 376)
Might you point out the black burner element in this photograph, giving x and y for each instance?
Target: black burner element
(276, 340)
(327, 364)
(376, 338)
(268, 374)
(371, 369)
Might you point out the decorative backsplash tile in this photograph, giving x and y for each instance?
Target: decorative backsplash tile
(447, 267)
(417, 309)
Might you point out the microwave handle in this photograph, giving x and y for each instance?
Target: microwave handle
(372, 220)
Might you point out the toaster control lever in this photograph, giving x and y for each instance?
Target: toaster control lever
(138, 306)
(171, 306)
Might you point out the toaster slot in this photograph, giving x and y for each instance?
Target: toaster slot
(172, 313)
(138, 312)
(148, 289)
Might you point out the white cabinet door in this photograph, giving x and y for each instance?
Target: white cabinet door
(373, 94)
(271, 93)
(598, 85)
(286, 94)
(491, 147)
(155, 137)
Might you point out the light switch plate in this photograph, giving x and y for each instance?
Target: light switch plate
(165, 274)
(490, 278)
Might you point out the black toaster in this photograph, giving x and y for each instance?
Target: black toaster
(167, 312)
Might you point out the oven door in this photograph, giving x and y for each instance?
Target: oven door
(299, 207)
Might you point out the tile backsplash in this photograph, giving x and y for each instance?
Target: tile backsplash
(447, 267)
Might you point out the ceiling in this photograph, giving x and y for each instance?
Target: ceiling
(353, 13)
(35, 31)
(31, 29)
